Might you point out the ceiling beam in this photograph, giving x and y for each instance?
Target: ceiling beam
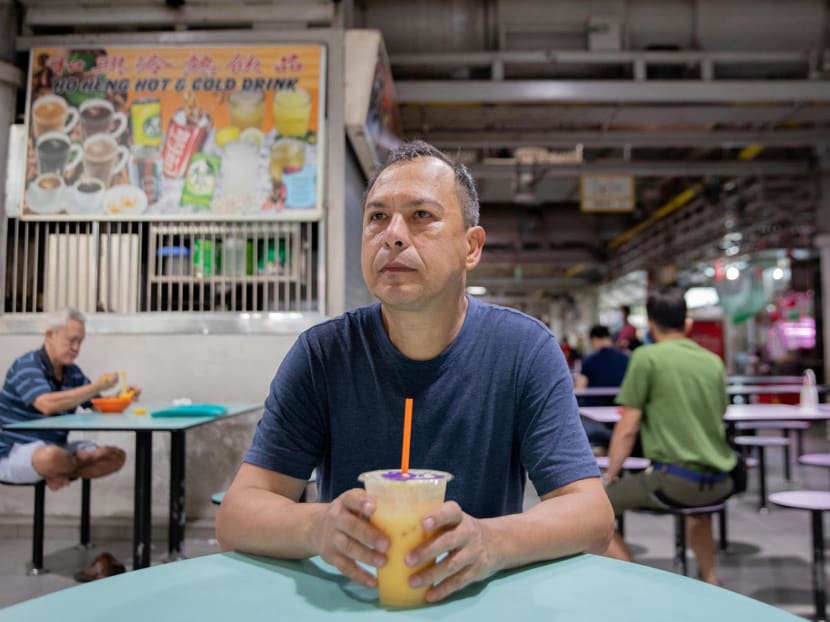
(651, 168)
(48, 15)
(657, 138)
(618, 91)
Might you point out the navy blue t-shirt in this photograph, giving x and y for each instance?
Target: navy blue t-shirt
(29, 377)
(496, 404)
(603, 368)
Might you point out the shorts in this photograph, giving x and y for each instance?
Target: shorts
(16, 468)
(649, 490)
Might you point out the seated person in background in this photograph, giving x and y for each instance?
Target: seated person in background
(493, 403)
(604, 367)
(674, 393)
(626, 337)
(43, 383)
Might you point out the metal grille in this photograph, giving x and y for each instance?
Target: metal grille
(127, 267)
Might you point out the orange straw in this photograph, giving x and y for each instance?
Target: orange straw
(407, 435)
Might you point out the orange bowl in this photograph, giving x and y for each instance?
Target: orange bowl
(111, 404)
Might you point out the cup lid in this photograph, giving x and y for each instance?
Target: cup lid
(412, 475)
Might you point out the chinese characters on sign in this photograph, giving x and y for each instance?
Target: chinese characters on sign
(212, 131)
(606, 193)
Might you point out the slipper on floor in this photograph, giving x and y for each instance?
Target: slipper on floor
(105, 565)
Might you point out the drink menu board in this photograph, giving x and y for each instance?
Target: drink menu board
(183, 132)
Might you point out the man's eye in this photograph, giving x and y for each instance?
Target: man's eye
(377, 216)
(422, 213)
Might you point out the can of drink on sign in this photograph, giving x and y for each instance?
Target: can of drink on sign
(145, 171)
(145, 121)
(182, 141)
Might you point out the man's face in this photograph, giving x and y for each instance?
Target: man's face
(415, 249)
(64, 344)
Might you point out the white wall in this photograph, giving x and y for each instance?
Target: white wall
(213, 368)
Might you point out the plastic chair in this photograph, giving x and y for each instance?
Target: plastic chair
(38, 522)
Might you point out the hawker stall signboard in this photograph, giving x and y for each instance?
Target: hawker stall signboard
(183, 133)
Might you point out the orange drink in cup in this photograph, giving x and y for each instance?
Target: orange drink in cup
(402, 500)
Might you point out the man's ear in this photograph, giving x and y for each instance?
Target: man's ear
(687, 328)
(475, 243)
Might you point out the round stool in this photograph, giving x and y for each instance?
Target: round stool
(817, 502)
(760, 443)
(785, 427)
(818, 460)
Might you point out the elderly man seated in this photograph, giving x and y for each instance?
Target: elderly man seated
(44, 383)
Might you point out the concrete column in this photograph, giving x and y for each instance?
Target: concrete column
(10, 79)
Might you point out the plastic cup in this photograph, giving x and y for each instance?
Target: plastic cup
(402, 501)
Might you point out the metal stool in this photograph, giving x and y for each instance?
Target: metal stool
(760, 443)
(785, 427)
(817, 502)
(680, 515)
(38, 523)
(819, 460)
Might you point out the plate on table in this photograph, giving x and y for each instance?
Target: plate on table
(125, 200)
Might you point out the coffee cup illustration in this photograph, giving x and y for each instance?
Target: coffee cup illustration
(44, 195)
(98, 116)
(53, 151)
(102, 157)
(51, 113)
(86, 196)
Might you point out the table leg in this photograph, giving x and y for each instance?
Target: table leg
(142, 519)
(819, 579)
(762, 484)
(85, 494)
(175, 530)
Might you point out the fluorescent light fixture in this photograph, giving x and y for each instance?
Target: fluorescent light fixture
(476, 290)
(697, 297)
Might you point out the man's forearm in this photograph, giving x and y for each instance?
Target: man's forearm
(261, 522)
(575, 522)
(622, 442)
(59, 402)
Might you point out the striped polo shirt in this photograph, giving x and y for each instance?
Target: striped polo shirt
(29, 377)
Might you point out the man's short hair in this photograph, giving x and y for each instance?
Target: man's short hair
(464, 185)
(667, 309)
(626, 310)
(599, 331)
(60, 318)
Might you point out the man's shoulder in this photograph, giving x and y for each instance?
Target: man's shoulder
(29, 359)
(349, 321)
(505, 320)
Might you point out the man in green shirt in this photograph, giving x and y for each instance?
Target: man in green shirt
(674, 394)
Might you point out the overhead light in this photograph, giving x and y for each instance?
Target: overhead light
(777, 274)
(476, 290)
(732, 273)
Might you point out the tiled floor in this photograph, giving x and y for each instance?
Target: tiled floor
(769, 557)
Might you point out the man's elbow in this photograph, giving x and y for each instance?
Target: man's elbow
(603, 526)
(44, 407)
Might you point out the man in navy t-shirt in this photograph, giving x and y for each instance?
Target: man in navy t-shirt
(493, 404)
(604, 367)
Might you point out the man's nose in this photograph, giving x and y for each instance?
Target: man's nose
(397, 233)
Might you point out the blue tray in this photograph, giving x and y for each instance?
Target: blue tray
(191, 410)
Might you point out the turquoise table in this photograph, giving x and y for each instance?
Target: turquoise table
(230, 586)
(143, 426)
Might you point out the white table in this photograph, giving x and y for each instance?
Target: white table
(734, 413)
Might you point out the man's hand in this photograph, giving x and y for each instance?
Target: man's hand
(343, 536)
(106, 381)
(468, 558)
